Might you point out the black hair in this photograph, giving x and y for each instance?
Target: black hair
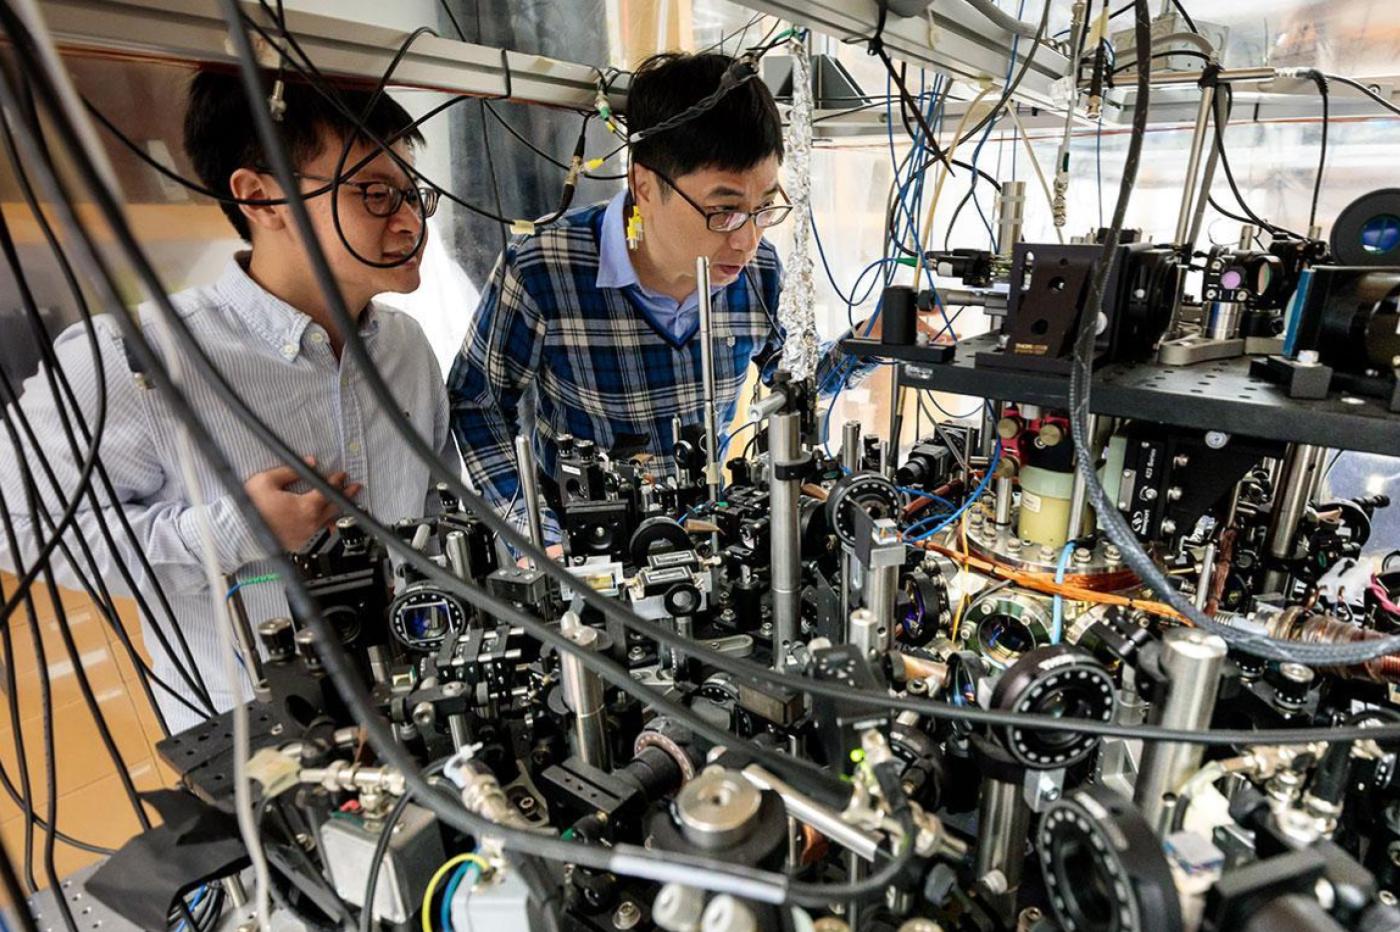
(742, 129)
(220, 138)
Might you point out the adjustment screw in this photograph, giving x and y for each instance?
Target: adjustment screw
(1168, 526)
(1174, 494)
(1216, 439)
(1308, 357)
(627, 916)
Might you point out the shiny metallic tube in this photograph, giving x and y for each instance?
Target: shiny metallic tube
(1011, 215)
(1302, 467)
(863, 632)
(1003, 822)
(1193, 165)
(529, 488)
(809, 811)
(850, 446)
(455, 546)
(583, 694)
(1003, 499)
(1192, 660)
(707, 374)
(784, 444)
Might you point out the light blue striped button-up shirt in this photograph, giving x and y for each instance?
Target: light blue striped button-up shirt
(283, 366)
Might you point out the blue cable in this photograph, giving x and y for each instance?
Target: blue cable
(445, 910)
(193, 904)
(920, 493)
(1057, 624)
(971, 500)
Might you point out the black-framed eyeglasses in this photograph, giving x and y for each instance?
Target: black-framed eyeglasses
(724, 220)
(384, 200)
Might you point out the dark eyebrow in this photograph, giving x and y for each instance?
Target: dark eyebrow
(726, 191)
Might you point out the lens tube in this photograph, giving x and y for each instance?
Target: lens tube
(1063, 681)
(1104, 868)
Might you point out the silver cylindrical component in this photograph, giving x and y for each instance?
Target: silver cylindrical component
(850, 446)
(810, 812)
(1003, 500)
(243, 634)
(1193, 165)
(458, 729)
(1011, 216)
(850, 459)
(1247, 236)
(677, 908)
(1192, 660)
(784, 444)
(583, 694)
(529, 488)
(1223, 320)
(717, 809)
(881, 591)
(726, 913)
(863, 632)
(987, 436)
(458, 559)
(1004, 820)
(1302, 467)
(1079, 490)
(707, 375)
(1203, 581)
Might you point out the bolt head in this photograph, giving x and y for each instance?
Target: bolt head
(1308, 357)
(627, 915)
(1216, 439)
(1168, 526)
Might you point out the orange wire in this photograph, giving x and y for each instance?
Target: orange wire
(1041, 582)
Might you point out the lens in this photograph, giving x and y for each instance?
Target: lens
(1006, 637)
(1064, 703)
(1087, 889)
(1063, 682)
(425, 620)
(1381, 234)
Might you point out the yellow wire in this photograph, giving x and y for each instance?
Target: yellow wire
(962, 600)
(427, 910)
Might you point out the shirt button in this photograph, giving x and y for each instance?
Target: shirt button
(289, 351)
(318, 338)
(354, 446)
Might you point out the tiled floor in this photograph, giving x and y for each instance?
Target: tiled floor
(92, 804)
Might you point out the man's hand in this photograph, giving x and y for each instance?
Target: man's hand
(294, 517)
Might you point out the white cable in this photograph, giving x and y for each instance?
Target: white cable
(243, 802)
(1035, 163)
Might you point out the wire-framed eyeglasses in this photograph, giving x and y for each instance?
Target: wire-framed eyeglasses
(725, 220)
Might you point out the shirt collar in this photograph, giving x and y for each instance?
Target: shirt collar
(614, 264)
(275, 321)
(615, 269)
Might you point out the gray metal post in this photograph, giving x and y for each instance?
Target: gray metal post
(784, 444)
(1192, 660)
(707, 373)
(529, 488)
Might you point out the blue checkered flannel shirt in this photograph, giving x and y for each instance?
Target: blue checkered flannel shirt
(550, 353)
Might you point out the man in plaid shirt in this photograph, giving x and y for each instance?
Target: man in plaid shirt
(588, 330)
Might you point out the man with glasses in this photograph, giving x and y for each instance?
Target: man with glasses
(588, 328)
(268, 329)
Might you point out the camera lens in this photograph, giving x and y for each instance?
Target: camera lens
(1103, 866)
(1063, 682)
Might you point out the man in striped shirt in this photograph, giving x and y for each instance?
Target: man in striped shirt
(266, 326)
(588, 329)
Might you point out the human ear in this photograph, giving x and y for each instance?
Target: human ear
(248, 185)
